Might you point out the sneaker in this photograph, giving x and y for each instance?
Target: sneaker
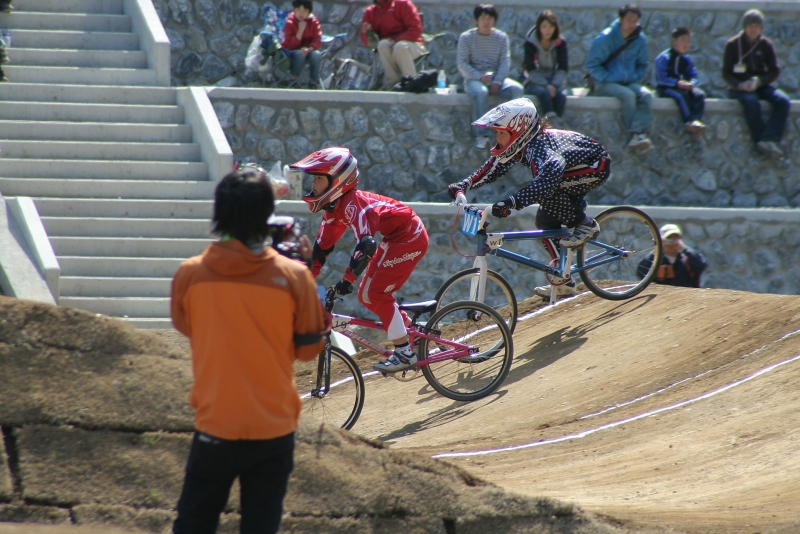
(640, 143)
(3, 77)
(769, 149)
(581, 234)
(551, 115)
(481, 143)
(398, 361)
(7, 9)
(696, 128)
(564, 290)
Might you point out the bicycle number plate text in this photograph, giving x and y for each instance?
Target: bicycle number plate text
(494, 241)
(469, 226)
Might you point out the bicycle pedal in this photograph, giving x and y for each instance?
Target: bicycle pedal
(386, 375)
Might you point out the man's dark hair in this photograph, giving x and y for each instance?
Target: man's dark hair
(243, 201)
(550, 17)
(488, 9)
(680, 31)
(308, 4)
(630, 8)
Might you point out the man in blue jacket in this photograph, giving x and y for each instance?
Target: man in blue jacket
(620, 76)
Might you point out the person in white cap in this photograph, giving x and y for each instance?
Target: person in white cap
(680, 265)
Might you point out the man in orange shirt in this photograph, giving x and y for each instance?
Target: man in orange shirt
(249, 313)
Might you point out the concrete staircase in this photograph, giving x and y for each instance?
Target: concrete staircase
(121, 187)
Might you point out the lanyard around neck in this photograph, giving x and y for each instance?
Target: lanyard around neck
(755, 44)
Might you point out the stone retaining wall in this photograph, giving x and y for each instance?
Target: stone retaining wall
(209, 38)
(748, 249)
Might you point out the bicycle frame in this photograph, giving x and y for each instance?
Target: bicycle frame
(490, 244)
(343, 324)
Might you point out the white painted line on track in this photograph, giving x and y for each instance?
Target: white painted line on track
(608, 426)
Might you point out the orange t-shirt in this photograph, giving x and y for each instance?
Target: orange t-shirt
(241, 311)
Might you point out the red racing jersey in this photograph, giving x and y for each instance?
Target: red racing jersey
(365, 213)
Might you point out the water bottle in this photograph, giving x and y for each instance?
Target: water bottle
(441, 81)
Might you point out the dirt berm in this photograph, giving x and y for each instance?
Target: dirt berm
(675, 411)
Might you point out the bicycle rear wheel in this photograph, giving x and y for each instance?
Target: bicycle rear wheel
(331, 389)
(635, 232)
(498, 294)
(481, 328)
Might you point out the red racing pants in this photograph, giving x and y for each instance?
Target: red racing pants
(388, 270)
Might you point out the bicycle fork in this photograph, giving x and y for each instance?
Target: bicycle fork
(564, 266)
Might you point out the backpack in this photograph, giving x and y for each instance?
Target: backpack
(421, 83)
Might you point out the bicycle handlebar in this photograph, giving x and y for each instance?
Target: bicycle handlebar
(482, 210)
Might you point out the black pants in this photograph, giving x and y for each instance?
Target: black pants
(263, 468)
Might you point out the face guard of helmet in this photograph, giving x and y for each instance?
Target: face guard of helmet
(517, 117)
(338, 166)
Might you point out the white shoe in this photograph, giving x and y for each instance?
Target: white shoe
(581, 234)
(564, 290)
(770, 149)
(551, 115)
(640, 143)
(396, 362)
(481, 143)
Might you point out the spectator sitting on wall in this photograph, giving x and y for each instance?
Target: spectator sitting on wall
(3, 59)
(484, 61)
(680, 265)
(676, 77)
(546, 64)
(303, 37)
(749, 67)
(398, 27)
(621, 76)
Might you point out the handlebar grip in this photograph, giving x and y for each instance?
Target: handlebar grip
(460, 198)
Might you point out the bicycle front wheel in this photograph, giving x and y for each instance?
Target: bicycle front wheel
(628, 273)
(482, 371)
(498, 294)
(331, 389)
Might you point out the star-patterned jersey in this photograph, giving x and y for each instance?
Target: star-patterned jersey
(553, 156)
(365, 213)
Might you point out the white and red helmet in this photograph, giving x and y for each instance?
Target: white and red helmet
(517, 117)
(338, 165)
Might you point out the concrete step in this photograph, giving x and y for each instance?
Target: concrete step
(114, 267)
(59, 111)
(95, 286)
(125, 170)
(128, 246)
(83, 207)
(88, 94)
(99, 151)
(95, 131)
(73, 40)
(108, 188)
(85, 22)
(127, 227)
(149, 323)
(120, 306)
(111, 7)
(85, 75)
(120, 59)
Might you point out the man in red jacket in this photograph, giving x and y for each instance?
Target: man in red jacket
(303, 37)
(399, 29)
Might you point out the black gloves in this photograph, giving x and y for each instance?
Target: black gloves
(453, 189)
(503, 208)
(343, 287)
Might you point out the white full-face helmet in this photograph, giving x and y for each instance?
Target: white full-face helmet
(517, 117)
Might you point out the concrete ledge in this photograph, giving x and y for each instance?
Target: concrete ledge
(645, 5)
(27, 216)
(152, 37)
(19, 275)
(206, 131)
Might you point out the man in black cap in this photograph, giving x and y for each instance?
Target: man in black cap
(749, 67)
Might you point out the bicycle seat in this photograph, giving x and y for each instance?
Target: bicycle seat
(419, 307)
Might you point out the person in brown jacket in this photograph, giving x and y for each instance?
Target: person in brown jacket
(249, 313)
(750, 67)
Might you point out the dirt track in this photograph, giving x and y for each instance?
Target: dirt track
(675, 411)
(724, 463)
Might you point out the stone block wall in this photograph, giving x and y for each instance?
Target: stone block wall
(210, 37)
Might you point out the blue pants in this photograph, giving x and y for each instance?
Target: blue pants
(314, 58)
(637, 103)
(509, 90)
(263, 468)
(776, 124)
(547, 103)
(691, 104)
